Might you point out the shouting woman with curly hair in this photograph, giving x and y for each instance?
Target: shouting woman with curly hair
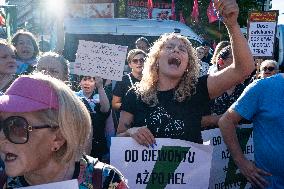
(171, 98)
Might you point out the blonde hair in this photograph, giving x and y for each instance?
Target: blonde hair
(266, 62)
(72, 117)
(147, 87)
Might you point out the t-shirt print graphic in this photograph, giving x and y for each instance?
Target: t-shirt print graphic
(162, 124)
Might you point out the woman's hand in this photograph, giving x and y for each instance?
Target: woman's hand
(99, 82)
(142, 135)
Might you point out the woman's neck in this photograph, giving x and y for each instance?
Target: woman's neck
(166, 83)
(55, 172)
(88, 95)
(137, 75)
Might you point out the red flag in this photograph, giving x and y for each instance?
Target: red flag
(150, 8)
(2, 20)
(181, 19)
(173, 10)
(195, 12)
(212, 16)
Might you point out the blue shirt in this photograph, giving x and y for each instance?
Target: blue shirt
(263, 103)
(93, 100)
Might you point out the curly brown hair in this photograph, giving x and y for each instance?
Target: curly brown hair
(147, 88)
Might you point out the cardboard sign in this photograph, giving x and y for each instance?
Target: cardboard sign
(100, 59)
(69, 184)
(224, 173)
(261, 33)
(172, 163)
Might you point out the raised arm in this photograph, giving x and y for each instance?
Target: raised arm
(243, 63)
(104, 102)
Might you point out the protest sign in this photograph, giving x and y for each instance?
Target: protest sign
(224, 173)
(100, 59)
(261, 33)
(69, 184)
(172, 163)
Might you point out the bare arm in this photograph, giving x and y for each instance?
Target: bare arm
(125, 122)
(227, 125)
(104, 102)
(243, 63)
(141, 134)
(116, 102)
(210, 121)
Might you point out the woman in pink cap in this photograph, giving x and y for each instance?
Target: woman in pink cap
(44, 133)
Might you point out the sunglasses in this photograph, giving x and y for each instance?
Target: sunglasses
(270, 68)
(16, 129)
(141, 60)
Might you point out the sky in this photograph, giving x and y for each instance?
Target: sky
(279, 5)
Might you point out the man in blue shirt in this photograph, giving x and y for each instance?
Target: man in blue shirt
(261, 102)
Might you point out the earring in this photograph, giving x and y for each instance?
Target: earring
(54, 149)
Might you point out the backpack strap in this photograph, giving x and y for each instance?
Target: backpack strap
(97, 175)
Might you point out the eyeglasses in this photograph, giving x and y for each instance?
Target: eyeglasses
(141, 60)
(270, 68)
(16, 129)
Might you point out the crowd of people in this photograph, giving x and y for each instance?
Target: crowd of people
(50, 133)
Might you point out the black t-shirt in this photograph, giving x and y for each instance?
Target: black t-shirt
(123, 86)
(170, 118)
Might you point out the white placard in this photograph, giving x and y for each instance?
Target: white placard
(69, 184)
(261, 38)
(100, 59)
(223, 166)
(171, 164)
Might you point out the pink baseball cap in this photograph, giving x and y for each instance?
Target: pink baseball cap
(28, 95)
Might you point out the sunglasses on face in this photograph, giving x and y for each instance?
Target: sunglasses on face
(270, 68)
(16, 129)
(141, 60)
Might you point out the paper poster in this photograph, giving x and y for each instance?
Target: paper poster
(172, 163)
(69, 184)
(261, 38)
(100, 59)
(224, 172)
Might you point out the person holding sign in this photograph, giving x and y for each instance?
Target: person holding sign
(262, 103)
(44, 133)
(170, 100)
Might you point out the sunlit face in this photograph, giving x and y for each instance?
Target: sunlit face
(200, 53)
(24, 46)
(88, 84)
(52, 66)
(173, 59)
(137, 64)
(267, 70)
(31, 157)
(142, 45)
(7, 60)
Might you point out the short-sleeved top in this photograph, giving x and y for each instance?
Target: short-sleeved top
(84, 172)
(170, 118)
(262, 102)
(124, 85)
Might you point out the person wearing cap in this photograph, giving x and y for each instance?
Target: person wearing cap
(8, 65)
(207, 56)
(45, 130)
(171, 99)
